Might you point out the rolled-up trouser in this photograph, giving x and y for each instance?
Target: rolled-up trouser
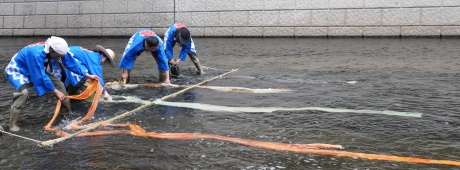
(21, 96)
(161, 74)
(196, 62)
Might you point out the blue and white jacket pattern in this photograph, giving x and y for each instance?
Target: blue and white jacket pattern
(90, 60)
(135, 47)
(170, 40)
(28, 66)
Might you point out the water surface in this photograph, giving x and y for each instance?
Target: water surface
(405, 75)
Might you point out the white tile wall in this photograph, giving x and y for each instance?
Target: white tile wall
(232, 17)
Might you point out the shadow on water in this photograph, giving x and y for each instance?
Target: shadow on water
(406, 75)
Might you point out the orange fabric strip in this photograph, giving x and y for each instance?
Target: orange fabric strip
(315, 148)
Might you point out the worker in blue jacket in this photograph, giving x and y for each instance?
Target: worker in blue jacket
(28, 68)
(180, 35)
(91, 61)
(144, 40)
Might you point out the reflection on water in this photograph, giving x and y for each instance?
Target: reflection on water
(403, 75)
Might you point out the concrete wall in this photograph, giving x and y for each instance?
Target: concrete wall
(232, 18)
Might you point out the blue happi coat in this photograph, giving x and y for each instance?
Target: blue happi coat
(135, 48)
(90, 60)
(169, 41)
(28, 66)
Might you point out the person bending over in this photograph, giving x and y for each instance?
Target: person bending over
(91, 60)
(144, 40)
(32, 66)
(180, 35)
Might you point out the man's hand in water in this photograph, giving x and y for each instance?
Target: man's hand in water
(124, 76)
(106, 95)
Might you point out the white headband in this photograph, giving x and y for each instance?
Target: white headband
(58, 44)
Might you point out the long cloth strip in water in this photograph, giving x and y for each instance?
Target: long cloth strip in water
(117, 86)
(90, 90)
(315, 148)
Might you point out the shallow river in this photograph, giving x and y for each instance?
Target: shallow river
(400, 75)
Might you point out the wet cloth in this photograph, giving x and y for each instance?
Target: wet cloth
(135, 47)
(27, 67)
(170, 41)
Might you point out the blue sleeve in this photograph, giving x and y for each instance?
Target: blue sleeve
(93, 62)
(184, 51)
(98, 71)
(71, 77)
(162, 60)
(41, 81)
(133, 48)
(71, 64)
(169, 42)
(103, 85)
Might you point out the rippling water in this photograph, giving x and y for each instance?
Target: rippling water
(405, 75)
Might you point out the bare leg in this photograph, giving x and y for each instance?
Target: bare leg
(19, 100)
(161, 74)
(14, 116)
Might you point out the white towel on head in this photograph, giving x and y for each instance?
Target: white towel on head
(58, 44)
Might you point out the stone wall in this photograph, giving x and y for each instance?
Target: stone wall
(232, 18)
